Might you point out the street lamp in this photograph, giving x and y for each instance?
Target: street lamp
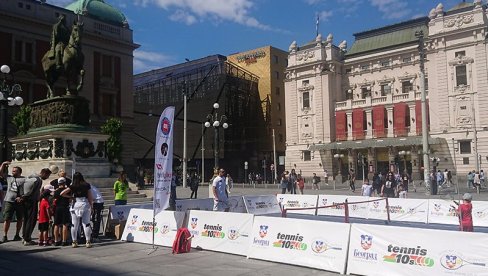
(216, 122)
(7, 98)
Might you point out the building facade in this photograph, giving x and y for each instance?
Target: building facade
(360, 108)
(269, 64)
(107, 45)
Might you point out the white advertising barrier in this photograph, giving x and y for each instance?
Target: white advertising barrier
(139, 226)
(121, 212)
(236, 204)
(442, 211)
(220, 231)
(194, 204)
(359, 210)
(388, 250)
(298, 201)
(412, 210)
(480, 213)
(260, 205)
(317, 244)
(377, 209)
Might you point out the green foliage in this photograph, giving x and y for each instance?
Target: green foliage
(22, 120)
(113, 127)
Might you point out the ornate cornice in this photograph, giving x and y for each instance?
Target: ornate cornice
(458, 21)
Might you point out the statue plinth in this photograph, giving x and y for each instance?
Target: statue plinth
(64, 113)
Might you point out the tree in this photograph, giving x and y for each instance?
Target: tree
(113, 128)
(22, 120)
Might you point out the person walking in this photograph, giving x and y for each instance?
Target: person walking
(316, 182)
(389, 188)
(221, 202)
(80, 193)
(326, 178)
(470, 180)
(96, 215)
(292, 179)
(284, 182)
(120, 189)
(13, 200)
(194, 184)
(352, 178)
(62, 217)
(464, 212)
(300, 183)
(30, 198)
(229, 183)
(477, 181)
(367, 188)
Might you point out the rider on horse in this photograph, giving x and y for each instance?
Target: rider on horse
(59, 40)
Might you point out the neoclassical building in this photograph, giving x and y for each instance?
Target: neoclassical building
(360, 108)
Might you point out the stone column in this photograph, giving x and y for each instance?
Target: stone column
(413, 123)
(349, 125)
(392, 151)
(389, 111)
(369, 123)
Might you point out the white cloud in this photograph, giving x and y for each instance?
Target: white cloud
(325, 15)
(145, 61)
(191, 11)
(312, 2)
(392, 9)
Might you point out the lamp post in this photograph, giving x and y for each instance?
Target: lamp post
(216, 122)
(7, 98)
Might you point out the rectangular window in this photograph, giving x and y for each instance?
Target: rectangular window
(276, 60)
(348, 70)
(406, 86)
(108, 105)
(461, 76)
(278, 107)
(426, 83)
(307, 155)
(279, 122)
(277, 75)
(385, 63)
(385, 89)
(18, 50)
(365, 67)
(305, 83)
(406, 59)
(306, 100)
(29, 52)
(460, 54)
(107, 66)
(465, 147)
(364, 92)
(465, 160)
(277, 90)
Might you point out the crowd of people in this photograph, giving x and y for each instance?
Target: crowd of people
(57, 208)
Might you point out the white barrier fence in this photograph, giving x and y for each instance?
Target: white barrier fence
(236, 204)
(121, 212)
(388, 250)
(260, 205)
(298, 201)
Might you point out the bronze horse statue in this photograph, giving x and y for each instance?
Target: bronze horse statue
(72, 64)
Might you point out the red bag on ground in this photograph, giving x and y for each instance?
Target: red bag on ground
(182, 243)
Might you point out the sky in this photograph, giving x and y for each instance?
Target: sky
(170, 31)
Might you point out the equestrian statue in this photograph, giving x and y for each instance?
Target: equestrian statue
(64, 58)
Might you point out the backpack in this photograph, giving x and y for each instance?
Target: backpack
(182, 243)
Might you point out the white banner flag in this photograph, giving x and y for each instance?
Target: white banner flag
(163, 160)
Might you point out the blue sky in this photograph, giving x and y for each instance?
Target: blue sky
(171, 30)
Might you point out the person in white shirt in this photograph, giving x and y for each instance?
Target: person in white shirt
(326, 177)
(97, 211)
(221, 202)
(367, 188)
(229, 183)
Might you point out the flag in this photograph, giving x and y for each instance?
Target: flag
(163, 160)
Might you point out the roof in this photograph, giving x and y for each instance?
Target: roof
(388, 36)
(376, 143)
(99, 10)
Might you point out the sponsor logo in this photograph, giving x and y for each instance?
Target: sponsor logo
(233, 233)
(480, 214)
(437, 207)
(165, 228)
(261, 205)
(408, 256)
(133, 221)
(366, 243)
(120, 215)
(320, 245)
(213, 231)
(148, 226)
(263, 231)
(451, 260)
(292, 204)
(396, 209)
(194, 223)
(324, 201)
(165, 126)
(288, 241)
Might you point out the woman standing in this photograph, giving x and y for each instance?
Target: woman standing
(284, 182)
(62, 216)
(82, 197)
(464, 212)
(300, 183)
(120, 189)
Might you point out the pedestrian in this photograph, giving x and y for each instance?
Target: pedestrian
(172, 195)
(352, 178)
(300, 183)
(402, 193)
(219, 189)
(45, 217)
(482, 178)
(449, 179)
(30, 198)
(49, 189)
(62, 216)
(367, 188)
(284, 182)
(292, 179)
(61, 173)
(120, 189)
(194, 186)
(229, 183)
(80, 193)
(389, 188)
(470, 180)
(405, 180)
(96, 215)
(376, 184)
(315, 182)
(12, 203)
(464, 212)
(326, 178)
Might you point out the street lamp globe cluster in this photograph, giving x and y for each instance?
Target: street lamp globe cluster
(8, 97)
(217, 123)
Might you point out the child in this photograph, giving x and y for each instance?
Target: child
(44, 218)
(464, 212)
(402, 193)
(367, 188)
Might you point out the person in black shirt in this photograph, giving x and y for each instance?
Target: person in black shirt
(79, 191)
(62, 217)
(61, 173)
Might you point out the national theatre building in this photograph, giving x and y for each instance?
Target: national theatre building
(360, 108)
